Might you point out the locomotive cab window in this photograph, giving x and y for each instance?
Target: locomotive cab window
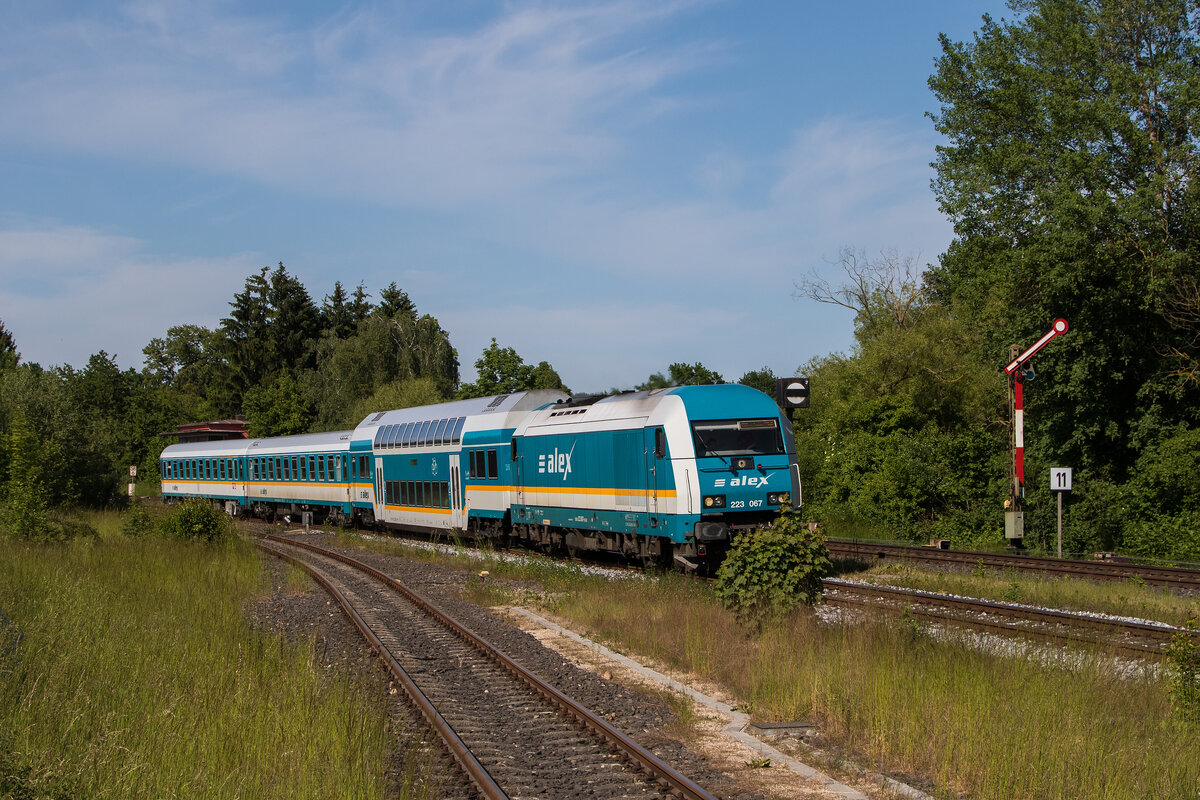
(733, 437)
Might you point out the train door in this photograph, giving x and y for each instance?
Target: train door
(456, 505)
(379, 498)
(518, 467)
(657, 466)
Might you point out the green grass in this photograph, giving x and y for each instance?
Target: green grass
(130, 671)
(989, 726)
(978, 725)
(1124, 598)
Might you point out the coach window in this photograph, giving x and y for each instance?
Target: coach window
(458, 426)
(287, 468)
(320, 473)
(444, 429)
(491, 464)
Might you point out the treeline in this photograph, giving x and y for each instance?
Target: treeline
(291, 366)
(1069, 168)
(68, 436)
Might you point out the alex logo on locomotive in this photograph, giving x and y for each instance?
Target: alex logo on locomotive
(748, 480)
(556, 462)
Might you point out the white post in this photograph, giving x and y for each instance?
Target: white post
(1060, 494)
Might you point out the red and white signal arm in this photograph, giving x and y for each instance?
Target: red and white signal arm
(1060, 479)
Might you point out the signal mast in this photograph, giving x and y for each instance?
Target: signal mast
(1014, 512)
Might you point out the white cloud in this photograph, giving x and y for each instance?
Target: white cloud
(71, 292)
(360, 106)
(863, 183)
(520, 140)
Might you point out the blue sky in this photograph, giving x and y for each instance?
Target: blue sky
(607, 186)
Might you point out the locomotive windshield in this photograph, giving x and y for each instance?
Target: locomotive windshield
(737, 437)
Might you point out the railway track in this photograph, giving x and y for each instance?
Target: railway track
(1127, 637)
(1123, 636)
(513, 734)
(1178, 578)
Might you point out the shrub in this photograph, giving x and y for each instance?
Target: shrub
(1184, 656)
(61, 526)
(138, 522)
(198, 519)
(33, 523)
(769, 572)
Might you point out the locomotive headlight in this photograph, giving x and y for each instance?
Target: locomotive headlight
(779, 498)
(714, 501)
